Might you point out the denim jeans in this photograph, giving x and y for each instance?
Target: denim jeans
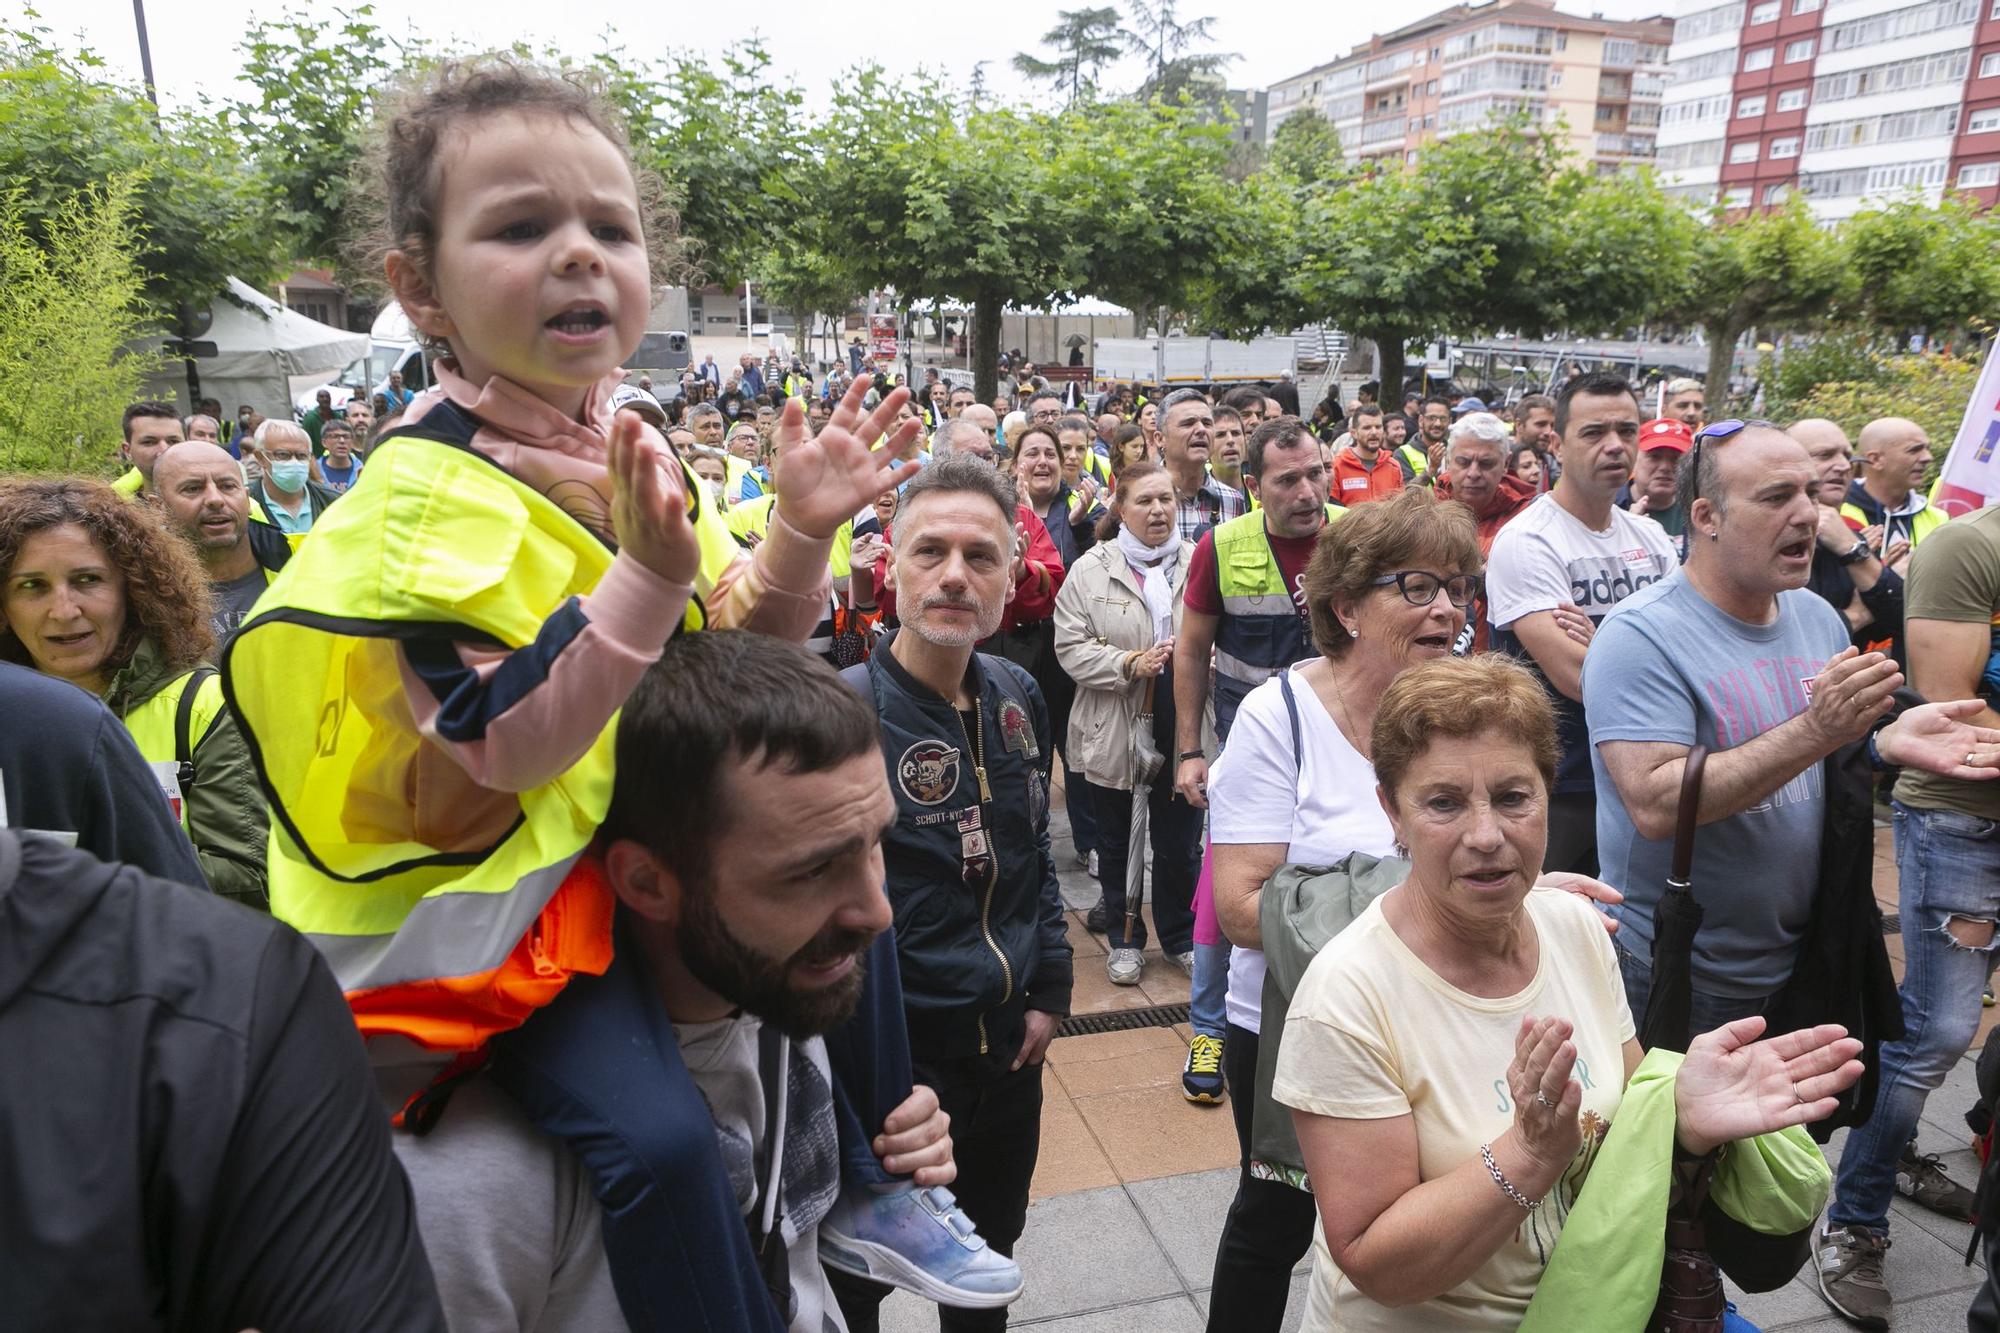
(1706, 1011)
(1949, 868)
(1207, 1010)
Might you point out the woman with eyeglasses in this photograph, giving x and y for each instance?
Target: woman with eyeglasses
(1387, 587)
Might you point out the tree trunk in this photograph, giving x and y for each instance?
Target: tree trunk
(1389, 351)
(987, 308)
(1722, 335)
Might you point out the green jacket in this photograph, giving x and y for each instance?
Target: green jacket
(1605, 1272)
(1300, 909)
(224, 811)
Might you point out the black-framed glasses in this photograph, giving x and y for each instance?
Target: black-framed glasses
(1420, 587)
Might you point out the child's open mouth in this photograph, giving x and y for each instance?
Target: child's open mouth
(581, 323)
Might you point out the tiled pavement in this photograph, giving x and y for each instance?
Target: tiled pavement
(1133, 1181)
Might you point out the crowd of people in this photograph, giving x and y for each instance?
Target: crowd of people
(637, 811)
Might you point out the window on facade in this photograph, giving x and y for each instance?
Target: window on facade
(1799, 50)
(1989, 65)
(1975, 174)
(1805, 6)
(1555, 78)
(1757, 59)
(1736, 198)
(1750, 106)
(1766, 12)
(1785, 147)
(1792, 99)
(1983, 122)
(1775, 194)
(1896, 76)
(1744, 151)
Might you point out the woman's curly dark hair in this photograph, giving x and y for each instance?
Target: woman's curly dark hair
(166, 590)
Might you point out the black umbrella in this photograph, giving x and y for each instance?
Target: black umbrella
(1675, 921)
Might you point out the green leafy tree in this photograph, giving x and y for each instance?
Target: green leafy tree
(1488, 231)
(72, 309)
(316, 87)
(1305, 149)
(1923, 268)
(935, 208)
(729, 141)
(1769, 271)
(1171, 50)
(1084, 42)
(1930, 389)
(69, 129)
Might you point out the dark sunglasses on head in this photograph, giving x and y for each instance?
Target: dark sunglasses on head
(1716, 430)
(1420, 588)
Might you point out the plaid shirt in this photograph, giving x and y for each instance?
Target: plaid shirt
(1212, 504)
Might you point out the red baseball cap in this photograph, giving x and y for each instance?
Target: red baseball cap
(1666, 433)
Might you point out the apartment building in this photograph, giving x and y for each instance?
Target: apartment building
(1847, 102)
(1598, 81)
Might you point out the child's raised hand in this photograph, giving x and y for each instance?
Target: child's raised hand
(649, 502)
(827, 479)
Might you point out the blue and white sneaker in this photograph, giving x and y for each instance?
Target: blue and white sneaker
(920, 1240)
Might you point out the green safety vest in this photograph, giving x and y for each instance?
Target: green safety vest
(1922, 523)
(1260, 632)
(1419, 461)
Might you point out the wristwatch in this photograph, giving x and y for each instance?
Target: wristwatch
(1186, 755)
(1860, 551)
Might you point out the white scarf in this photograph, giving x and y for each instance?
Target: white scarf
(1154, 567)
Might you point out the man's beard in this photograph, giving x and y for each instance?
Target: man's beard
(757, 983)
(983, 626)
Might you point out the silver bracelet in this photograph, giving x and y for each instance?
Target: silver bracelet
(1506, 1186)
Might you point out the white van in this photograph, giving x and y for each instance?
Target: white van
(393, 347)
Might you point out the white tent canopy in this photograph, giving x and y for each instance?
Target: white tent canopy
(264, 354)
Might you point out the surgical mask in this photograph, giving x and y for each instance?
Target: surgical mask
(715, 492)
(289, 476)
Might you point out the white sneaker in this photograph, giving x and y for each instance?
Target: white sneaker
(1123, 967)
(1091, 862)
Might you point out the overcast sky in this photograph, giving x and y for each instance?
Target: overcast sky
(194, 41)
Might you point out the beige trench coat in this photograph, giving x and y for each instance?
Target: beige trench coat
(1101, 618)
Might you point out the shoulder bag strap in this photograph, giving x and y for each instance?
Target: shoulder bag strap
(183, 721)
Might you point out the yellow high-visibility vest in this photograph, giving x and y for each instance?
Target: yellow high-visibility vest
(435, 543)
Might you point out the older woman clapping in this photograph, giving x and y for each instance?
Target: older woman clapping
(1456, 1056)
(1114, 635)
(1387, 587)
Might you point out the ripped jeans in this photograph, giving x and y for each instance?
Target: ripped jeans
(1949, 867)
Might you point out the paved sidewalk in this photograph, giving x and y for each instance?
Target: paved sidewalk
(1133, 1181)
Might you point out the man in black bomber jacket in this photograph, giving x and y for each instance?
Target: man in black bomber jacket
(985, 959)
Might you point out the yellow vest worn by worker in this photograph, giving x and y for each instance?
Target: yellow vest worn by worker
(1418, 460)
(1922, 523)
(441, 942)
(153, 723)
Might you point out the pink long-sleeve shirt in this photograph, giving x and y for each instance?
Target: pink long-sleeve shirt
(512, 720)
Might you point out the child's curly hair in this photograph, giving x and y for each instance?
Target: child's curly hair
(395, 189)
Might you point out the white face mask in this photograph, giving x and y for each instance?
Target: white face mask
(715, 493)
